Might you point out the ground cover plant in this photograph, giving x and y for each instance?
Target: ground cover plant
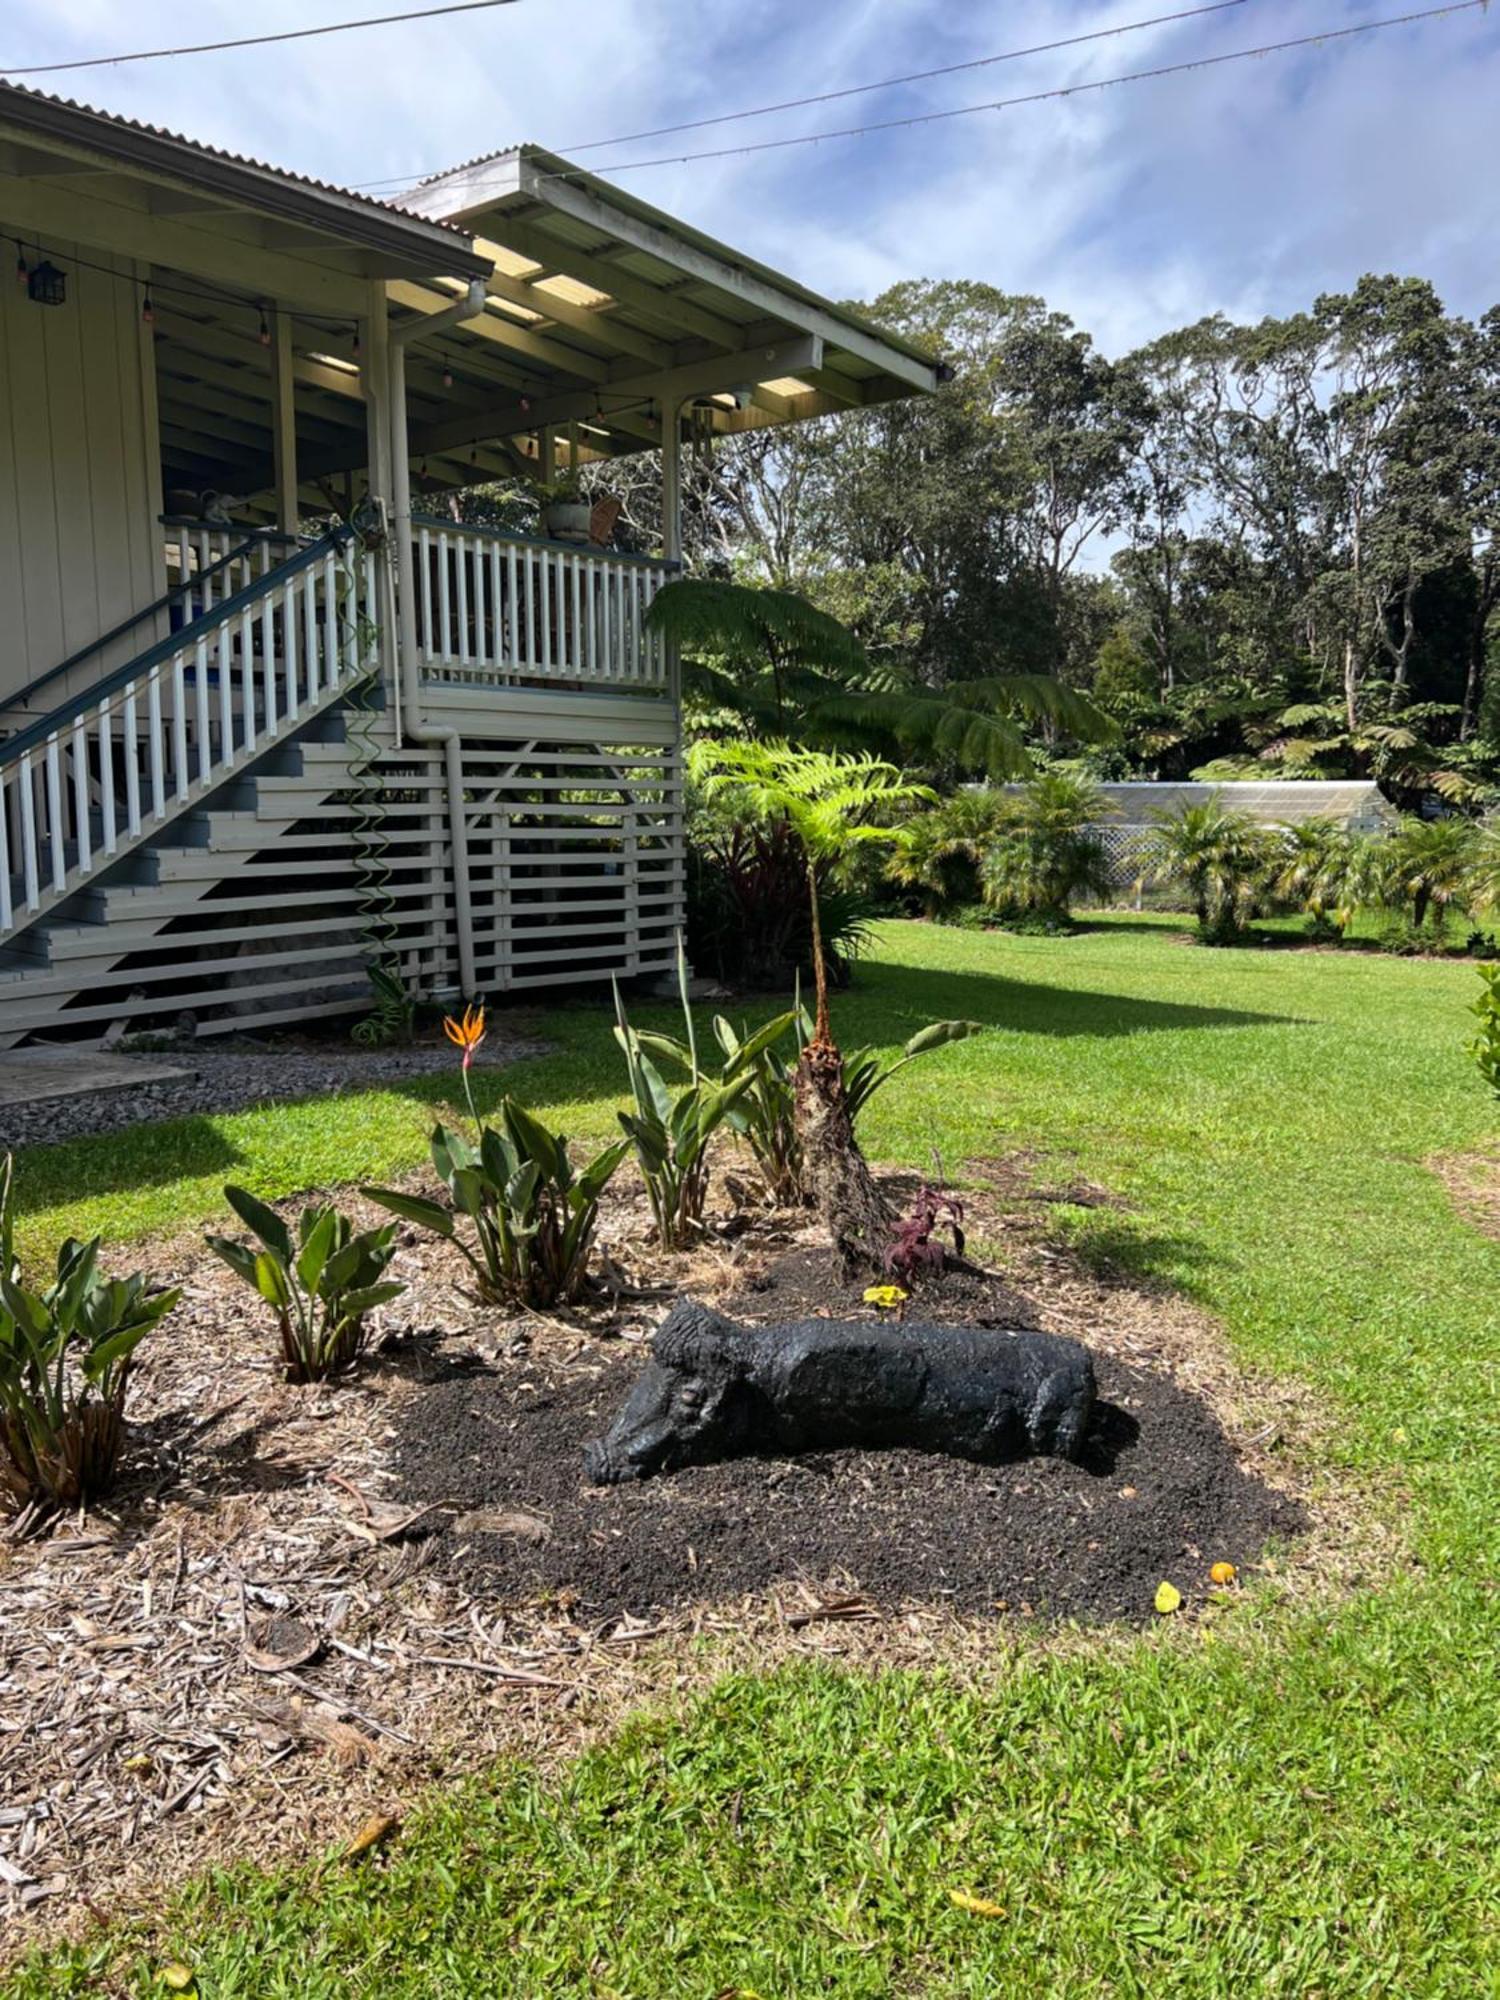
(1298, 1798)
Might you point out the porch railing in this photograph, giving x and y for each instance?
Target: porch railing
(495, 607)
(104, 771)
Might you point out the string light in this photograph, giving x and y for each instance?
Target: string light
(447, 376)
(265, 329)
(148, 310)
(23, 275)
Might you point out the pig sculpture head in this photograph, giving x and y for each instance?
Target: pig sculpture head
(692, 1401)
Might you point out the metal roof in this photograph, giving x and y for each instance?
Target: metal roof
(1280, 802)
(411, 239)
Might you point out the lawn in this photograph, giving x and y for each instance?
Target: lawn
(1306, 1804)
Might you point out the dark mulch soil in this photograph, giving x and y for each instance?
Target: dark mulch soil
(1159, 1495)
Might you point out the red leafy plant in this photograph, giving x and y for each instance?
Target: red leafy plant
(915, 1250)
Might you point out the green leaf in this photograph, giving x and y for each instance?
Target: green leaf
(272, 1281)
(263, 1221)
(413, 1208)
(319, 1237)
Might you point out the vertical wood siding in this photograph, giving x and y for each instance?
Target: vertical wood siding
(80, 470)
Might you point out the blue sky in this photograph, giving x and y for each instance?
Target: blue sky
(1245, 189)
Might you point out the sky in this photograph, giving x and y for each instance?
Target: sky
(1245, 189)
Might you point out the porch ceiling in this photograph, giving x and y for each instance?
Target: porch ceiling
(601, 306)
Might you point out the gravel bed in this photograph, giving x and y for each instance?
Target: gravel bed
(239, 1076)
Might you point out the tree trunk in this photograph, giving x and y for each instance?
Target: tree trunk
(834, 1171)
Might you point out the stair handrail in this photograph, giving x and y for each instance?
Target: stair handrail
(259, 538)
(38, 732)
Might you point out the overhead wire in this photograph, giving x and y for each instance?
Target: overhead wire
(253, 41)
(867, 89)
(1325, 36)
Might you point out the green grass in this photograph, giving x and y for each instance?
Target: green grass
(1308, 1805)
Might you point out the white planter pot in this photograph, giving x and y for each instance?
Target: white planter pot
(567, 520)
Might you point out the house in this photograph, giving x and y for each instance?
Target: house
(271, 711)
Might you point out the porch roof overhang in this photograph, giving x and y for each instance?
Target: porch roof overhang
(174, 200)
(603, 310)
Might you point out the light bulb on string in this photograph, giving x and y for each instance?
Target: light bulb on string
(265, 329)
(148, 310)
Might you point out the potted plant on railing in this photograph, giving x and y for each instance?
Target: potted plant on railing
(565, 511)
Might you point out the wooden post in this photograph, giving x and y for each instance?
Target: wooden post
(671, 481)
(284, 422)
(546, 456)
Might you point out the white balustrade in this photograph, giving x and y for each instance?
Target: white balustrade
(104, 772)
(497, 608)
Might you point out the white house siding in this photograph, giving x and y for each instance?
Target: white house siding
(80, 467)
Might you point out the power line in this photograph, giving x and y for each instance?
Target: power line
(861, 89)
(912, 76)
(256, 41)
(1041, 96)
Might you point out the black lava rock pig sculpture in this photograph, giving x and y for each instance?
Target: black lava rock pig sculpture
(714, 1389)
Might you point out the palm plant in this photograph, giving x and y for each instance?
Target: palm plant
(1220, 855)
(1484, 870)
(1319, 867)
(939, 858)
(1048, 850)
(1431, 868)
(785, 667)
(834, 804)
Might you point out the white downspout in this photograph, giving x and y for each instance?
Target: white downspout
(414, 724)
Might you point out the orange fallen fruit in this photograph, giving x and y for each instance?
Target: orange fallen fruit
(1223, 1572)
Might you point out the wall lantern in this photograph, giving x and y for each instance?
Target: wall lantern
(46, 285)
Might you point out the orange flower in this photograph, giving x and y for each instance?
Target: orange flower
(466, 1034)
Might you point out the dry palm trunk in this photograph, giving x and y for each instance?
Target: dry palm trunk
(835, 1172)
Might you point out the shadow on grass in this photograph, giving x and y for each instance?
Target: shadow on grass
(1116, 1249)
(1031, 1008)
(133, 1156)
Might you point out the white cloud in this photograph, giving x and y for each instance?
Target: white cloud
(1246, 189)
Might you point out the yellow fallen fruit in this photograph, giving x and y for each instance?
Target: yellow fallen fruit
(1223, 1572)
(177, 1978)
(977, 1906)
(1168, 1599)
(376, 1829)
(885, 1295)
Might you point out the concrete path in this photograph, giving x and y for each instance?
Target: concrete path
(32, 1076)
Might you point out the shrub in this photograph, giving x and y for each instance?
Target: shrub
(942, 850)
(65, 1362)
(765, 1117)
(748, 919)
(533, 1217)
(321, 1286)
(1046, 851)
(1430, 869)
(1485, 1048)
(914, 1251)
(763, 1113)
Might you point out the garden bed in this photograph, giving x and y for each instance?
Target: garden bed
(1158, 1494)
(304, 1603)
